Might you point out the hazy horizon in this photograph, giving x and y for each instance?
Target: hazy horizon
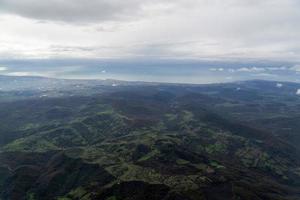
(164, 70)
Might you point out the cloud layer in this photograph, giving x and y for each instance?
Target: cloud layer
(72, 10)
(186, 29)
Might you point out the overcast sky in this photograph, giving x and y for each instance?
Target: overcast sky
(185, 29)
(196, 41)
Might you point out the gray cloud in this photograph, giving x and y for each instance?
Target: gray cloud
(111, 10)
(251, 69)
(296, 68)
(3, 68)
(197, 29)
(72, 10)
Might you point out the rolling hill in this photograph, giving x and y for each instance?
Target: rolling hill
(120, 140)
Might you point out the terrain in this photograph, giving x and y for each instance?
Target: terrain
(113, 140)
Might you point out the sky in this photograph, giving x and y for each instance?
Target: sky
(185, 31)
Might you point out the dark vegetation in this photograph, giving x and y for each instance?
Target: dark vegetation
(170, 142)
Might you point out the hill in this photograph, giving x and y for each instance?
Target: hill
(152, 141)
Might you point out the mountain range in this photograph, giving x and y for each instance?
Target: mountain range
(114, 140)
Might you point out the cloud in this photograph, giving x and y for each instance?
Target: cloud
(295, 68)
(70, 10)
(185, 29)
(251, 69)
(283, 68)
(81, 11)
(265, 75)
(102, 10)
(217, 69)
(3, 68)
(20, 74)
(53, 71)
